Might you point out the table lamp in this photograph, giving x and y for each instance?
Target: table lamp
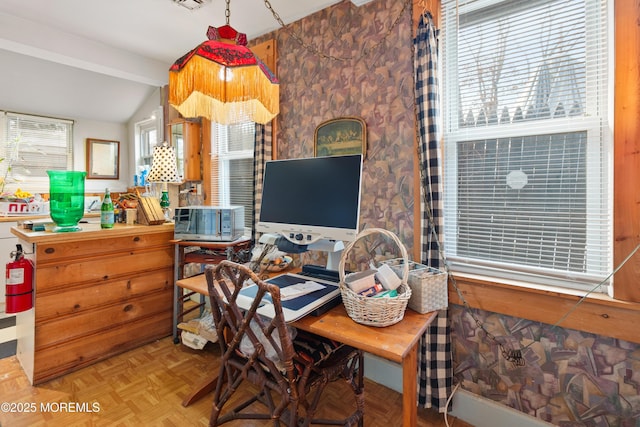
(164, 170)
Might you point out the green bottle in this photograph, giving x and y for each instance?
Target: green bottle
(106, 211)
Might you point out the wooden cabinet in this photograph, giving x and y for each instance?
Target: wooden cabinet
(97, 293)
(185, 136)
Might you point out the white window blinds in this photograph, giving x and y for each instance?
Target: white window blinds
(147, 138)
(31, 146)
(232, 167)
(527, 139)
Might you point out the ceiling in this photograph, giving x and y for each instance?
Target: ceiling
(100, 59)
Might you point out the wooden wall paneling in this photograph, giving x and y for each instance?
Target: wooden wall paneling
(192, 151)
(627, 148)
(209, 198)
(597, 314)
(268, 53)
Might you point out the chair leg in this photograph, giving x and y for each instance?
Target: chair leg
(359, 389)
(353, 374)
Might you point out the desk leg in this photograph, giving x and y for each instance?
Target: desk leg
(177, 305)
(409, 388)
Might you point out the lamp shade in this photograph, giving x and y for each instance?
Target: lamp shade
(223, 81)
(163, 165)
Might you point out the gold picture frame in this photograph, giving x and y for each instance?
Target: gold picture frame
(103, 158)
(340, 136)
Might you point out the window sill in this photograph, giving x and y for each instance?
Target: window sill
(598, 313)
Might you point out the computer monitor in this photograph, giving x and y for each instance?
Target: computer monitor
(312, 199)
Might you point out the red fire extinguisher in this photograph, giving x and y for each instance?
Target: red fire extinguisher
(19, 288)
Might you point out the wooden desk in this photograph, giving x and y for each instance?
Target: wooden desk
(397, 343)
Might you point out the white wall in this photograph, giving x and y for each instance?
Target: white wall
(123, 132)
(95, 129)
(151, 106)
(83, 129)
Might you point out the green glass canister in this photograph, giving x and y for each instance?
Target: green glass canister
(66, 199)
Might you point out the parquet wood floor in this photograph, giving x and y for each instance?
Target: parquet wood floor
(145, 387)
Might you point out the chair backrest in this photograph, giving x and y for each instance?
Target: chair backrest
(249, 341)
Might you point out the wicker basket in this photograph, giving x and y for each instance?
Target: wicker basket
(428, 285)
(378, 312)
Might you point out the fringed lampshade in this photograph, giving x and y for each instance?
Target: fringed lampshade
(223, 81)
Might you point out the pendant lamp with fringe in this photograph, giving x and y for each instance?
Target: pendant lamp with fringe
(223, 81)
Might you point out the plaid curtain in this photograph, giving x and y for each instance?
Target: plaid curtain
(435, 371)
(262, 152)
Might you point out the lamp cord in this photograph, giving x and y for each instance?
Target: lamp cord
(365, 50)
(227, 11)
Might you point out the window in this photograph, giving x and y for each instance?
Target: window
(177, 140)
(527, 140)
(232, 167)
(146, 139)
(32, 145)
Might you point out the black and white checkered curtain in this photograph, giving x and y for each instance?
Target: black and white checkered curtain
(435, 371)
(262, 153)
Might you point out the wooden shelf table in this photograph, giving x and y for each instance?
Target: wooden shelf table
(209, 253)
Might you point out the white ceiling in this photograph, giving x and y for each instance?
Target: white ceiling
(100, 59)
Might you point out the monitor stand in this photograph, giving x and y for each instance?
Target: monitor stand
(333, 248)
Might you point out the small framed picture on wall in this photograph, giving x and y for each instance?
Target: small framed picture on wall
(341, 136)
(103, 157)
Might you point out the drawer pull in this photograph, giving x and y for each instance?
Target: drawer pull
(49, 250)
(136, 239)
(128, 307)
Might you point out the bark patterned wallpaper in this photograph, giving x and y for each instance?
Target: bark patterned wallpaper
(570, 378)
(377, 87)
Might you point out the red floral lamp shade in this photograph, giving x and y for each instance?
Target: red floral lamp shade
(222, 80)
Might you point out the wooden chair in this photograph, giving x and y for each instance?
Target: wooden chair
(290, 373)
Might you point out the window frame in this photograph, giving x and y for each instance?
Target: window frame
(221, 169)
(455, 133)
(35, 184)
(146, 126)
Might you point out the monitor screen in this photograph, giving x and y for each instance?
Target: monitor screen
(306, 200)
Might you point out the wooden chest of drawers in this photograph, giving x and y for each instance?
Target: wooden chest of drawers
(97, 293)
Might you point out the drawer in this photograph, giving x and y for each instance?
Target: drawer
(100, 270)
(100, 320)
(47, 253)
(58, 360)
(85, 297)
